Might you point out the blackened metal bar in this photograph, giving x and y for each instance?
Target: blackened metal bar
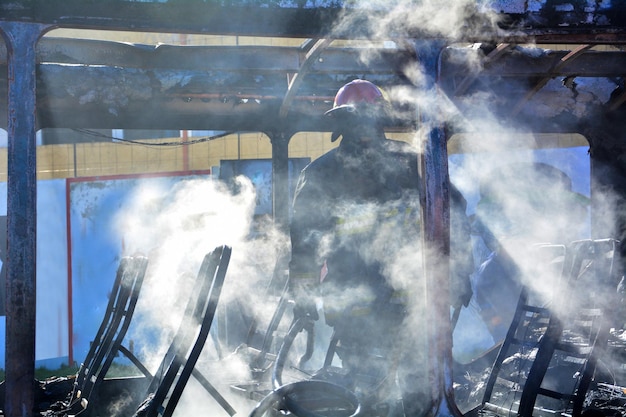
(294, 85)
(21, 39)
(280, 173)
(433, 170)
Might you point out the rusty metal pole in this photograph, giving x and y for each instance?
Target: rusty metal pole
(436, 236)
(21, 40)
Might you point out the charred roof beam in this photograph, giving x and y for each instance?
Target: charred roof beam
(215, 58)
(554, 71)
(222, 84)
(525, 63)
(296, 80)
(493, 55)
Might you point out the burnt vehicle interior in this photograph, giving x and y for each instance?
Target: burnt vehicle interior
(488, 79)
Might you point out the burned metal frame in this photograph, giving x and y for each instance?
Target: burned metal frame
(218, 88)
(33, 66)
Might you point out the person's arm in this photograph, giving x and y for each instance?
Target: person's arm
(308, 225)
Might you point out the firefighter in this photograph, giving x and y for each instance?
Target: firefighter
(355, 231)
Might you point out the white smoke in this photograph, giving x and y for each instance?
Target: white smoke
(519, 209)
(175, 228)
(406, 19)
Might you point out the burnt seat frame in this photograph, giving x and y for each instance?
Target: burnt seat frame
(110, 335)
(178, 364)
(597, 260)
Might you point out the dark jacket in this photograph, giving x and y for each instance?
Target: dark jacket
(355, 208)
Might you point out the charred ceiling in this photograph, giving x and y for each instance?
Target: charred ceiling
(568, 20)
(99, 84)
(544, 65)
(534, 86)
(103, 84)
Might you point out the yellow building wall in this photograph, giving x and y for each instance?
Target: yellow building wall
(148, 38)
(173, 155)
(152, 156)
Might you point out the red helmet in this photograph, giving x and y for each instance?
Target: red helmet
(356, 95)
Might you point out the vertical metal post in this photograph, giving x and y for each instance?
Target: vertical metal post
(280, 178)
(21, 40)
(436, 236)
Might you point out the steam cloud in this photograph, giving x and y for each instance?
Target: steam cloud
(175, 228)
(516, 208)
